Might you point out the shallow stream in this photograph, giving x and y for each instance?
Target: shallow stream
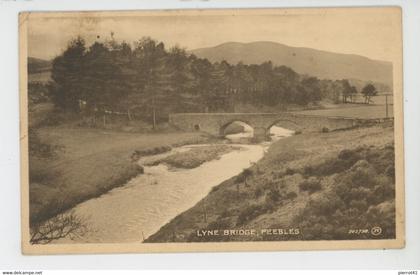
(141, 207)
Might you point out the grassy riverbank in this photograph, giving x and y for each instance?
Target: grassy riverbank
(324, 184)
(88, 163)
(196, 156)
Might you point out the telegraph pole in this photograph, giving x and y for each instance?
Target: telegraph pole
(154, 113)
(387, 103)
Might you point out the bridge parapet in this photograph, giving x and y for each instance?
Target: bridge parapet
(215, 123)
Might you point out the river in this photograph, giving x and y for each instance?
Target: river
(138, 209)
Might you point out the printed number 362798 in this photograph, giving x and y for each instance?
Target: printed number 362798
(358, 231)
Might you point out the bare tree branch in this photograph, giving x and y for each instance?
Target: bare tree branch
(61, 226)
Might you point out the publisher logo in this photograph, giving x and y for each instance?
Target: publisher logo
(375, 231)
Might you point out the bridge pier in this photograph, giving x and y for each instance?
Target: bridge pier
(261, 134)
(214, 123)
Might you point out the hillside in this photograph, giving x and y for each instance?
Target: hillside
(39, 70)
(36, 65)
(309, 186)
(322, 64)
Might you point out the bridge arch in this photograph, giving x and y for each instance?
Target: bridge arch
(225, 125)
(286, 124)
(282, 128)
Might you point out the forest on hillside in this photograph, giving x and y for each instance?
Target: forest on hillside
(146, 79)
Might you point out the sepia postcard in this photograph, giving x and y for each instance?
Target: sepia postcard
(211, 130)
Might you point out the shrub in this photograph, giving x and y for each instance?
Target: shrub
(214, 188)
(258, 192)
(40, 175)
(226, 213)
(247, 172)
(290, 171)
(250, 212)
(361, 174)
(273, 196)
(363, 196)
(311, 185)
(140, 169)
(137, 154)
(220, 223)
(56, 118)
(38, 92)
(322, 206)
(390, 171)
(40, 149)
(347, 154)
(243, 175)
(325, 130)
(382, 159)
(345, 160)
(291, 195)
(383, 190)
(356, 193)
(359, 204)
(308, 170)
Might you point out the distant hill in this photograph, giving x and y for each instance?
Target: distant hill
(322, 64)
(39, 70)
(36, 65)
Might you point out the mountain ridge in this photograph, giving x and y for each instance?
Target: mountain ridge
(296, 47)
(37, 65)
(320, 63)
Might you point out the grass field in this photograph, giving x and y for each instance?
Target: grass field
(353, 111)
(42, 77)
(89, 162)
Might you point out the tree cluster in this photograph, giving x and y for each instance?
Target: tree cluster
(146, 79)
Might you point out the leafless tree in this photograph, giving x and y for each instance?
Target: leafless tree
(61, 226)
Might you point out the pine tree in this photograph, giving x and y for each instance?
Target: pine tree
(154, 91)
(67, 72)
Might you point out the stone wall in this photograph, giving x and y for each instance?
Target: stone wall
(215, 123)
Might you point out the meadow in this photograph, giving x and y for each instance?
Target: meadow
(87, 163)
(353, 111)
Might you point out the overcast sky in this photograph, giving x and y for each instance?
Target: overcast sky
(373, 33)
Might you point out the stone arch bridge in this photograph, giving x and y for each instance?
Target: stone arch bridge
(216, 123)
